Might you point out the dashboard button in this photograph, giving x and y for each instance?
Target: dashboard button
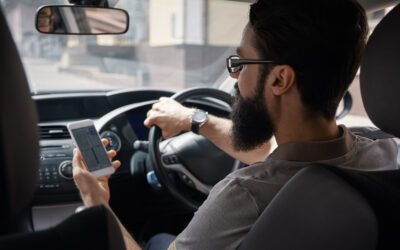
(65, 170)
(166, 160)
(174, 159)
(49, 155)
(170, 159)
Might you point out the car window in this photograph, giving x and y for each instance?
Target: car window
(171, 44)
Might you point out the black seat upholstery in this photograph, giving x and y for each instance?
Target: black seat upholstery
(325, 207)
(19, 146)
(382, 191)
(315, 210)
(94, 228)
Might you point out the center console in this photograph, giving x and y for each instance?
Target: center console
(55, 171)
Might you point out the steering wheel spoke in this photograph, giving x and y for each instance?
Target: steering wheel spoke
(188, 178)
(170, 161)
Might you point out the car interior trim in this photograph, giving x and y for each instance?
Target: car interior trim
(44, 217)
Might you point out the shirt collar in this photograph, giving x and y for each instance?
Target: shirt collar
(315, 150)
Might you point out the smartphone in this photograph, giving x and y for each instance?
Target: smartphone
(87, 139)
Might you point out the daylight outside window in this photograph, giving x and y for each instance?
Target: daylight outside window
(171, 45)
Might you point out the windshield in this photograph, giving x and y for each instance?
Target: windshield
(171, 44)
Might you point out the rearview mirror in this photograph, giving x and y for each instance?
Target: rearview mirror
(79, 20)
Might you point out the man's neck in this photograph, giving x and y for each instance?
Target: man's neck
(318, 129)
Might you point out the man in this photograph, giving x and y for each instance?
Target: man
(304, 55)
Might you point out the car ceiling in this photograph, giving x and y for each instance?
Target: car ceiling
(369, 5)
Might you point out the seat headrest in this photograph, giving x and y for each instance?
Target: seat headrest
(19, 148)
(380, 74)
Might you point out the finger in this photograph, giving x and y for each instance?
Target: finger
(111, 154)
(105, 142)
(147, 122)
(76, 160)
(156, 106)
(116, 164)
(164, 98)
(150, 121)
(152, 112)
(103, 178)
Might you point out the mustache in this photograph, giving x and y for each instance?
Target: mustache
(236, 91)
(236, 88)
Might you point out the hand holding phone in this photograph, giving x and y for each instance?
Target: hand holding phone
(87, 139)
(94, 191)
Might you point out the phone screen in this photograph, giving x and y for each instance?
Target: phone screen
(91, 147)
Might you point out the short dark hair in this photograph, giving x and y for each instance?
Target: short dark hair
(322, 40)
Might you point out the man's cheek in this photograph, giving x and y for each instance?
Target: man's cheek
(245, 88)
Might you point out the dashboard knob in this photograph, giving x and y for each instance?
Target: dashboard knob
(141, 146)
(114, 142)
(65, 170)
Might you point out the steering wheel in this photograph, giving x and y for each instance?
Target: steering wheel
(193, 157)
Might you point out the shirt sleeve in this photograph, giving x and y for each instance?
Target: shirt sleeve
(222, 221)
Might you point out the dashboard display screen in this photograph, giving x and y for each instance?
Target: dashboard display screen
(92, 149)
(136, 120)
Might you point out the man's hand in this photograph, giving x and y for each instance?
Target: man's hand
(94, 191)
(170, 116)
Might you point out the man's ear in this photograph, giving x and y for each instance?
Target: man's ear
(285, 78)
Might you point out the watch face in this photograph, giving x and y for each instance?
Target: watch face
(199, 116)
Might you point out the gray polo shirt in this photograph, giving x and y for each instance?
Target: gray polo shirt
(235, 203)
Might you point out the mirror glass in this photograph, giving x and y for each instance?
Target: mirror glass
(80, 20)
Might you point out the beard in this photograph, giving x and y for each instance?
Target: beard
(252, 124)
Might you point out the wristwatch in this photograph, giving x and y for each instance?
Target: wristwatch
(197, 119)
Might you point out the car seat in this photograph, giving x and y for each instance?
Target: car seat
(93, 228)
(324, 207)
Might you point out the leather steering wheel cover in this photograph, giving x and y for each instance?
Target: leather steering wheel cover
(155, 134)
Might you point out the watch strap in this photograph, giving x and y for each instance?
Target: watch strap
(195, 128)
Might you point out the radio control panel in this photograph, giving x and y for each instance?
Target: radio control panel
(55, 171)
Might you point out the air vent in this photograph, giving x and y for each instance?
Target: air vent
(54, 132)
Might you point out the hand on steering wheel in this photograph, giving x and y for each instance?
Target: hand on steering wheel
(197, 168)
(170, 116)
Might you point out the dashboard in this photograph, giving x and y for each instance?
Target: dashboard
(55, 184)
(118, 116)
(55, 172)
